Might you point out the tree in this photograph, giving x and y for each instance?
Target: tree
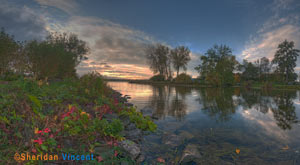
(71, 44)
(217, 65)
(56, 57)
(8, 50)
(249, 71)
(285, 58)
(180, 57)
(159, 59)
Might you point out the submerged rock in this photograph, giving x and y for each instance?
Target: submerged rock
(172, 140)
(147, 111)
(132, 149)
(190, 154)
(186, 135)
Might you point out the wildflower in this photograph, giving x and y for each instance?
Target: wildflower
(82, 113)
(91, 150)
(39, 140)
(36, 130)
(51, 136)
(237, 151)
(41, 132)
(99, 158)
(46, 130)
(116, 153)
(160, 160)
(109, 143)
(71, 108)
(58, 146)
(33, 150)
(115, 144)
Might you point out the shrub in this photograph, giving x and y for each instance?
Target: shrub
(92, 84)
(158, 78)
(183, 78)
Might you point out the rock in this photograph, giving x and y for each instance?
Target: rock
(141, 158)
(125, 120)
(186, 135)
(131, 148)
(134, 135)
(129, 104)
(147, 111)
(172, 126)
(190, 154)
(130, 126)
(127, 97)
(172, 140)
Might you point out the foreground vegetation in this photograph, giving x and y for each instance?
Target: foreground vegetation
(47, 109)
(67, 116)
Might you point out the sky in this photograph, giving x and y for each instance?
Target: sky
(118, 31)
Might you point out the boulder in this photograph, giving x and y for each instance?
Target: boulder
(131, 148)
(134, 135)
(190, 154)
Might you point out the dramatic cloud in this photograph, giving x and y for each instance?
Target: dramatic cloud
(112, 44)
(284, 24)
(23, 22)
(116, 50)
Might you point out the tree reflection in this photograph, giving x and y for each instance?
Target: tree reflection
(284, 112)
(217, 102)
(222, 103)
(279, 102)
(167, 100)
(178, 105)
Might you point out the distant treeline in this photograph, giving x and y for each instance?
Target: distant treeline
(219, 67)
(55, 57)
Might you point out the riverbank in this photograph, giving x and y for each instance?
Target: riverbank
(75, 116)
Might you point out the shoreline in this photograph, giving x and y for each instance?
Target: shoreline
(196, 85)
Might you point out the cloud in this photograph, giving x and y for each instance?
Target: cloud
(284, 24)
(110, 43)
(68, 6)
(267, 45)
(23, 22)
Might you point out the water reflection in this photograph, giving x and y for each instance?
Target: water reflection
(169, 101)
(217, 103)
(218, 121)
(220, 104)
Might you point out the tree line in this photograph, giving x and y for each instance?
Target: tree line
(55, 57)
(219, 67)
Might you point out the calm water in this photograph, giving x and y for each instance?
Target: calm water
(263, 125)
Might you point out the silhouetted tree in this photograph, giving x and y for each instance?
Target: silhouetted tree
(180, 57)
(285, 58)
(159, 59)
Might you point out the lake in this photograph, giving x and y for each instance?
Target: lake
(263, 125)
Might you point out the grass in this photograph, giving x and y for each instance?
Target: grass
(66, 116)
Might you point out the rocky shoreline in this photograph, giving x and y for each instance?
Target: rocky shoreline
(131, 145)
(134, 136)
